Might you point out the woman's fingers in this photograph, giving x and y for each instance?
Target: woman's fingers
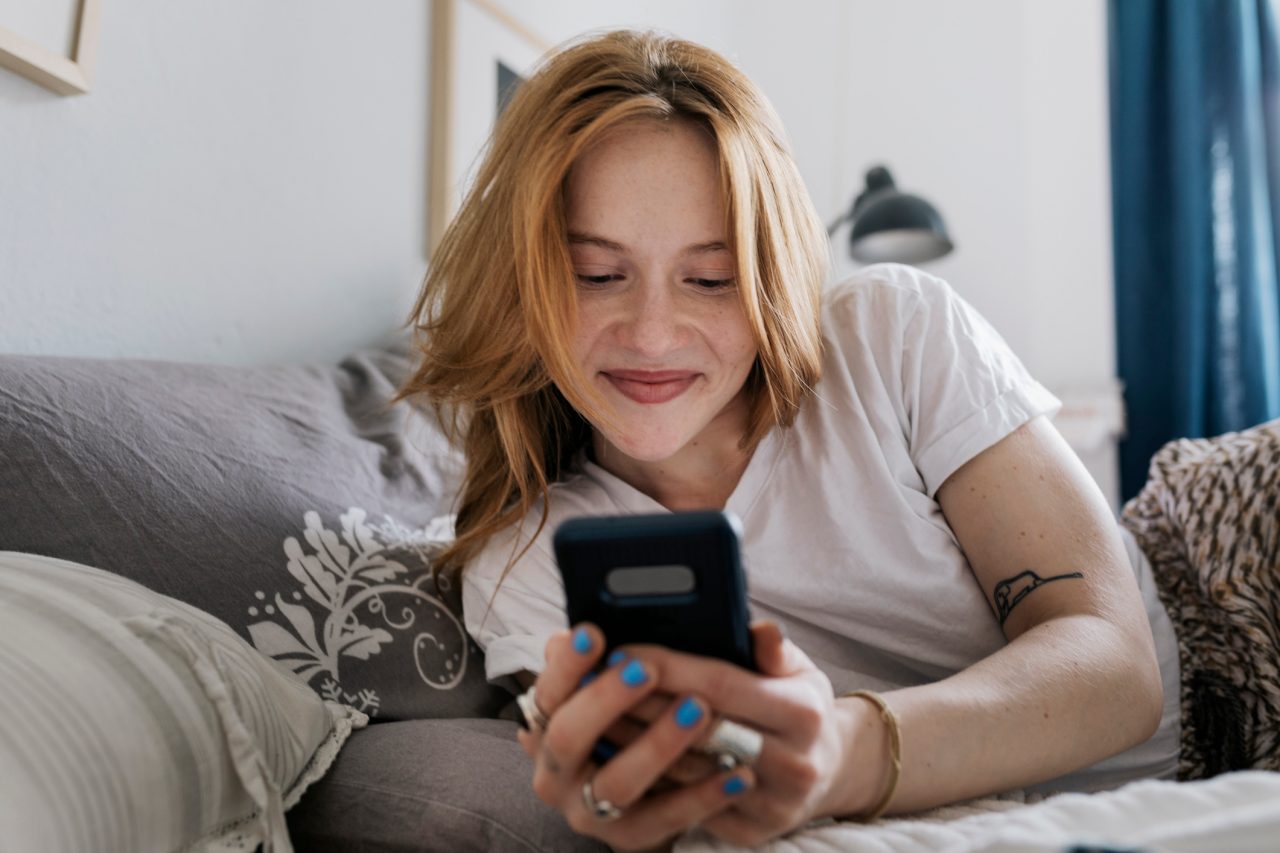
(688, 768)
(623, 731)
(784, 706)
(653, 707)
(635, 769)
(580, 720)
(769, 644)
(662, 816)
(570, 656)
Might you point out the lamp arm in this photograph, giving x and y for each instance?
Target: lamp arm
(844, 217)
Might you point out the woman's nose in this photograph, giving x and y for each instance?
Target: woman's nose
(652, 324)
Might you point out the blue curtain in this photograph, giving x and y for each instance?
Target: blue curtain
(1195, 157)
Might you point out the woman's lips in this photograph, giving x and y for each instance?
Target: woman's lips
(651, 386)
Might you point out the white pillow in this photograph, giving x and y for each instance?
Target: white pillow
(130, 721)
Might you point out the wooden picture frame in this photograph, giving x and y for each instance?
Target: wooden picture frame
(478, 51)
(66, 75)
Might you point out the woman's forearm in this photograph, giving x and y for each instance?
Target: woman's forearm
(1066, 694)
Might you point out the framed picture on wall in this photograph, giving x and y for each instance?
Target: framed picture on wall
(51, 42)
(479, 54)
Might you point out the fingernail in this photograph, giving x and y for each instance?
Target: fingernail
(633, 674)
(735, 785)
(586, 679)
(688, 714)
(581, 641)
(617, 657)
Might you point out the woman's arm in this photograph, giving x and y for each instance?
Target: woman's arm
(1078, 681)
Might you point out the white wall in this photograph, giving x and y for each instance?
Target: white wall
(247, 181)
(995, 110)
(706, 21)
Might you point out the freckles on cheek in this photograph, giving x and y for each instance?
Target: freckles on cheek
(584, 333)
(742, 343)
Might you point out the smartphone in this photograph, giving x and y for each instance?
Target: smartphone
(672, 579)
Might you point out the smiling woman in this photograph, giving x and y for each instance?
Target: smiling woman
(661, 337)
(627, 317)
(499, 313)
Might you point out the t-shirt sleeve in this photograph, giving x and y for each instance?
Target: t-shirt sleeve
(513, 625)
(963, 387)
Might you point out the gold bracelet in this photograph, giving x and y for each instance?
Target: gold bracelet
(895, 751)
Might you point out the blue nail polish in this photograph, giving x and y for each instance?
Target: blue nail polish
(688, 714)
(633, 674)
(581, 641)
(603, 751)
(617, 657)
(734, 785)
(586, 679)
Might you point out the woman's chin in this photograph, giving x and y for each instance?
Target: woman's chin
(644, 450)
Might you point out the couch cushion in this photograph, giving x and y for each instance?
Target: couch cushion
(134, 722)
(290, 502)
(421, 786)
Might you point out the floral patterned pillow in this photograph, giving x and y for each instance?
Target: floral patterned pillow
(357, 593)
(293, 503)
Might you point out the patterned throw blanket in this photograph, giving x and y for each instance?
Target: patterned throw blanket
(1209, 522)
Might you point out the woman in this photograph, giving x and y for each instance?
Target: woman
(627, 316)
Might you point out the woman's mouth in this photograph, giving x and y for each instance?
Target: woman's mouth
(651, 386)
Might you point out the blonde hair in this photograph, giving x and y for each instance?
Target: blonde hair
(496, 311)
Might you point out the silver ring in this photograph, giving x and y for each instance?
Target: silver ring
(533, 716)
(600, 809)
(732, 745)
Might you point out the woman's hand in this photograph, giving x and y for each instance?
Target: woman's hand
(804, 770)
(579, 715)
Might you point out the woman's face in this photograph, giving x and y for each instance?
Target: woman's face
(661, 333)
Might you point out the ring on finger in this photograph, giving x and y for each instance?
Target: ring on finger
(732, 745)
(601, 810)
(534, 717)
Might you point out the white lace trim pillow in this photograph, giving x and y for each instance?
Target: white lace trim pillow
(131, 721)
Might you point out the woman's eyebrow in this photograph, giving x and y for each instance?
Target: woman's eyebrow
(580, 238)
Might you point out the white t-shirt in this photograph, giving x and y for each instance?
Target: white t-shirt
(843, 540)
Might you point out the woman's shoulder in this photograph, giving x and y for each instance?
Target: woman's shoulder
(880, 309)
(886, 286)
(531, 535)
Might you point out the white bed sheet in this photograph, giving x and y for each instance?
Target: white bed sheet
(1233, 812)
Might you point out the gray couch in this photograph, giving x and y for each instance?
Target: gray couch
(295, 505)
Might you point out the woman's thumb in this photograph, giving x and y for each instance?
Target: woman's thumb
(770, 647)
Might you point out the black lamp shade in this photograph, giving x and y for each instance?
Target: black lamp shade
(889, 225)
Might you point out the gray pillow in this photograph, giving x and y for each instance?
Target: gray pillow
(292, 503)
(419, 785)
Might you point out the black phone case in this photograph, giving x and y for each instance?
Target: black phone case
(710, 620)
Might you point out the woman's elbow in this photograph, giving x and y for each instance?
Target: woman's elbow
(1143, 693)
(1132, 685)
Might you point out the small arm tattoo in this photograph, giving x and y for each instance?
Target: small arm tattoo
(1012, 590)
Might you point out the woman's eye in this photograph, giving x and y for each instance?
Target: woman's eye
(712, 283)
(598, 279)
